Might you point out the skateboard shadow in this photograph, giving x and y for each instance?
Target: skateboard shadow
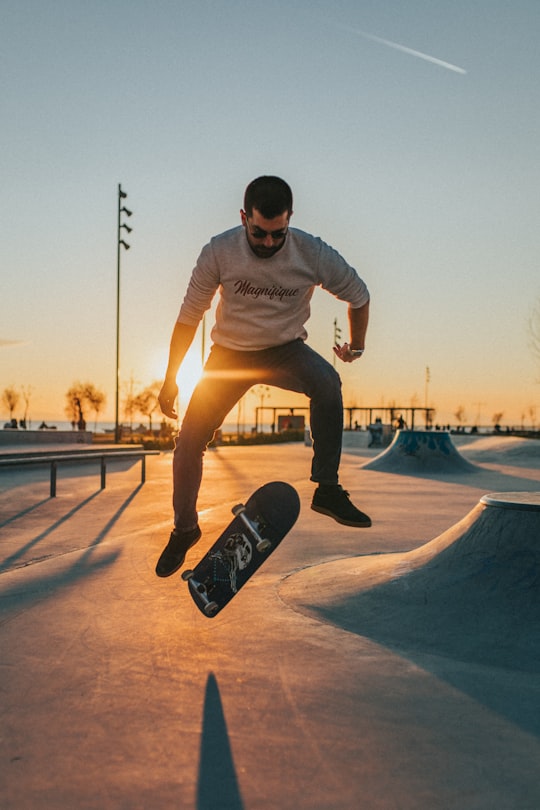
(217, 784)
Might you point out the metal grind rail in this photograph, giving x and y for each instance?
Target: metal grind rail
(43, 459)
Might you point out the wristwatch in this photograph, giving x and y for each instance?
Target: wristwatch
(357, 352)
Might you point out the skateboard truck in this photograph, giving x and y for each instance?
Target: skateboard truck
(209, 607)
(263, 544)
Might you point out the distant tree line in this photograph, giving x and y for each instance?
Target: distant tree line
(80, 400)
(83, 397)
(11, 398)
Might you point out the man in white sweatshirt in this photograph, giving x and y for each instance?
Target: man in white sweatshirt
(265, 273)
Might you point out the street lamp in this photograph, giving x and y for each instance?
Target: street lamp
(119, 242)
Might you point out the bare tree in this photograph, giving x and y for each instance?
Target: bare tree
(130, 404)
(74, 403)
(10, 398)
(79, 395)
(496, 419)
(461, 416)
(147, 401)
(95, 398)
(27, 391)
(130, 408)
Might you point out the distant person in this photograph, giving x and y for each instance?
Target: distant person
(376, 433)
(265, 273)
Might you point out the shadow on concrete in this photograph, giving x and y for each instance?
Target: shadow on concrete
(217, 786)
(511, 693)
(481, 478)
(24, 512)
(8, 562)
(465, 606)
(36, 586)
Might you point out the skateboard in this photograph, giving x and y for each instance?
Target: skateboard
(256, 530)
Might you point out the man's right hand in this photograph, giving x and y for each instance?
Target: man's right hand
(167, 398)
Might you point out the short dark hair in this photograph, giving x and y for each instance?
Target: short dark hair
(270, 195)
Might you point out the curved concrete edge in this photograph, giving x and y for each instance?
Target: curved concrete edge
(523, 501)
(331, 582)
(469, 594)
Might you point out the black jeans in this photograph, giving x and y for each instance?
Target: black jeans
(227, 376)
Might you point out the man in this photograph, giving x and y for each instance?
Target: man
(265, 272)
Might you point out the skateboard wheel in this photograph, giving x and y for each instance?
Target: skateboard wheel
(211, 608)
(263, 545)
(186, 575)
(238, 509)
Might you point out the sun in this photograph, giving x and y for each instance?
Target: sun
(188, 376)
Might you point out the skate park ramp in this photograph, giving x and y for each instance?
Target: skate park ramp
(510, 451)
(472, 594)
(420, 452)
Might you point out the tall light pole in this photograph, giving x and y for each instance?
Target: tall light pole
(426, 397)
(261, 391)
(337, 339)
(119, 243)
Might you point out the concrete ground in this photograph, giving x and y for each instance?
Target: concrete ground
(115, 692)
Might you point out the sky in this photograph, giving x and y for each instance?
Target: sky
(408, 130)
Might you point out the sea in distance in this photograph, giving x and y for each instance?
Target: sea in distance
(108, 427)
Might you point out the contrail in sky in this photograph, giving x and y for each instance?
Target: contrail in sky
(405, 49)
(13, 342)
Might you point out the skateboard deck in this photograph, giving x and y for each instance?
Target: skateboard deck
(256, 530)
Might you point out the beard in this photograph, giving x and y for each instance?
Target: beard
(265, 252)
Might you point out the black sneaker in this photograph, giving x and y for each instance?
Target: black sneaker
(174, 553)
(335, 502)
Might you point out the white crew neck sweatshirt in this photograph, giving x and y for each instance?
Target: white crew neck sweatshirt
(266, 302)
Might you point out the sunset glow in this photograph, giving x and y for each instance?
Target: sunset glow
(422, 175)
